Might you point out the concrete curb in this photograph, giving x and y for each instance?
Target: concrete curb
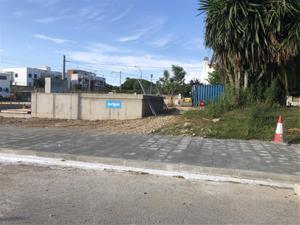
(154, 168)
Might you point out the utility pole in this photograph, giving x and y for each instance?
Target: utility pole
(64, 68)
(120, 80)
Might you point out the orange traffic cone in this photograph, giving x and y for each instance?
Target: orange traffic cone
(278, 138)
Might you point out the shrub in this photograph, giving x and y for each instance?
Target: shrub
(260, 119)
(225, 103)
(274, 94)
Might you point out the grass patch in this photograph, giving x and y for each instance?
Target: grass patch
(251, 122)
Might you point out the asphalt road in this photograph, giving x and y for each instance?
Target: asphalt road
(41, 195)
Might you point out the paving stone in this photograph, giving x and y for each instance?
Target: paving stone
(233, 154)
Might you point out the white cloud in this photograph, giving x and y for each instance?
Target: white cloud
(92, 13)
(102, 47)
(47, 19)
(55, 40)
(124, 63)
(155, 25)
(195, 44)
(17, 14)
(130, 38)
(43, 2)
(163, 42)
(121, 15)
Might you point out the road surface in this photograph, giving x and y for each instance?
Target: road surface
(228, 154)
(43, 195)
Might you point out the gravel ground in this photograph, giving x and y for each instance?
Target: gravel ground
(137, 126)
(42, 195)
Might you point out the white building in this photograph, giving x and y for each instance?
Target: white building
(25, 76)
(5, 81)
(85, 80)
(205, 69)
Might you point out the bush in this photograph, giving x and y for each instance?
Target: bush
(261, 118)
(274, 94)
(225, 103)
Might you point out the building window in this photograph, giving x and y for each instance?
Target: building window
(29, 75)
(29, 83)
(35, 76)
(0, 89)
(16, 75)
(6, 90)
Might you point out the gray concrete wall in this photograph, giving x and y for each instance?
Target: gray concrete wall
(93, 106)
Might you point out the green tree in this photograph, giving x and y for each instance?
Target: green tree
(166, 83)
(252, 39)
(172, 84)
(218, 76)
(133, 85)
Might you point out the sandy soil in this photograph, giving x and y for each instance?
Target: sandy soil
(138, 126)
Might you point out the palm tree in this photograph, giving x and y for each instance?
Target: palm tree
(235, 31)
(249, 35)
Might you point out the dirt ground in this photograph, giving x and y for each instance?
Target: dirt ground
(137, 126)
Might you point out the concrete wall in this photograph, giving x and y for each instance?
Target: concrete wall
(93, 106)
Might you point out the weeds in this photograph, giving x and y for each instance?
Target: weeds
(250, 122)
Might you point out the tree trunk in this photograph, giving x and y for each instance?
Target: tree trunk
(259, 76)
(230, 79)
(286, 83)
(237, 83)
(237, 79)
(246, 80)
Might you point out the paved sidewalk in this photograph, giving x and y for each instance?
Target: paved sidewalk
(229, 154)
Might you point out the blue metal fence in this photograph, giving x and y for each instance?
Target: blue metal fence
(206, 93)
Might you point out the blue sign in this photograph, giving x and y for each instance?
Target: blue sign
(113, 104)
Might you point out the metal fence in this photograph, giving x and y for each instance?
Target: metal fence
(206, 93)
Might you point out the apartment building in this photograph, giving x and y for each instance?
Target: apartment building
(98, 84)
(25, 76)
(85, 80)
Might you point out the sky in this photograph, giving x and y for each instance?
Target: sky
(137, 37)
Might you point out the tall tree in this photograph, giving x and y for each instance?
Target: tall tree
(249, 37)
(178, 77)
(171, 84)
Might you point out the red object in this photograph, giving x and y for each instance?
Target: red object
(280, 119)
(278, 138)
(202, 103)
